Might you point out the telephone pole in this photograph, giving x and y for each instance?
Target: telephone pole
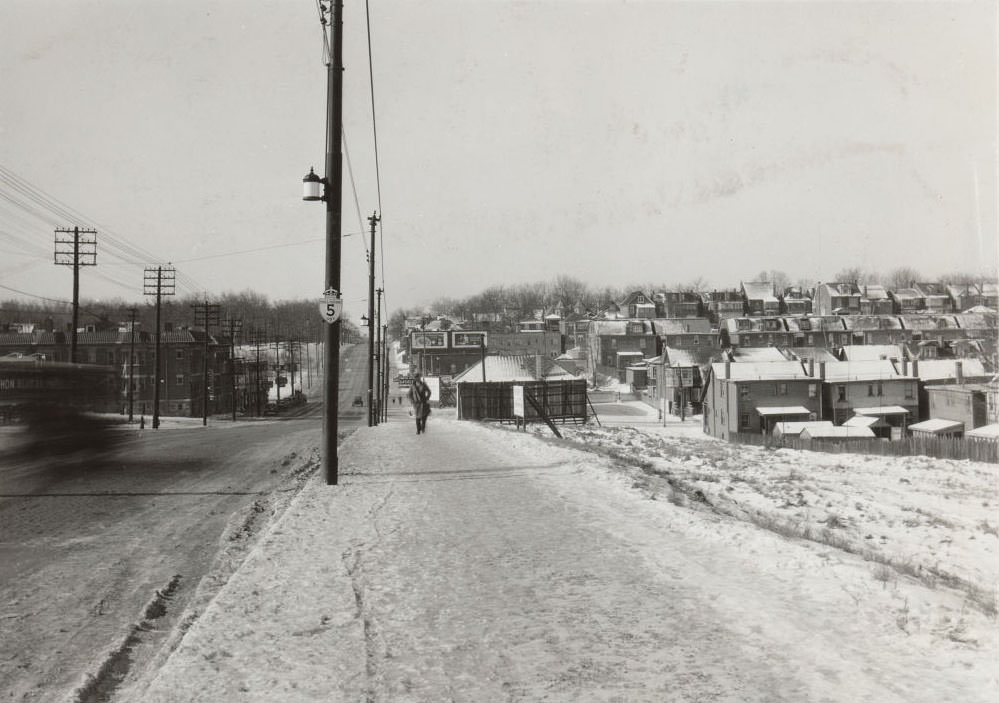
(76, 251)
(158, 281)
(371, 322)
(131, 360)
(205, 314)
(232, 327)
(378, 345)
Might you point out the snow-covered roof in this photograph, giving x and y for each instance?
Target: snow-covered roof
(946, 369)
(862, 421)
(841, 371)
(760, 290)
(871, 322)
(875, 292)
(837, 432)
(796, 427)
(815, 353)
(937, 426)
(620, 327)
(681, 325)
(764, 371)
(519, 367)
(783, 410)
(757, 355)
(881, 410)
(984, 432)
(872, 352)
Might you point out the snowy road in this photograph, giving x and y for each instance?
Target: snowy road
(479, 564)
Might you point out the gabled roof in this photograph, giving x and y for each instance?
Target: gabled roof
(814, 353)
(979, 320)
(937, 425)
(514, 367)
(906, 294)
(841, 289)
(931, 289)
(946, 369)
(871, 322)
(757, 355)
(875, 292)
(759, 290)
(842, 371)
(762, 371)
(681, 325)
(837, 432)
(872, 352)
(796, 427)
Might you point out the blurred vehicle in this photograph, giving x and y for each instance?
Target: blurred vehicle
(358, 402)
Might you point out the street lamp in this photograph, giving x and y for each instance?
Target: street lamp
(332, 185)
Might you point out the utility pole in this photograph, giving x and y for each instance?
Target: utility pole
(80, 250)
(256, 345)
(371, 322)
(378, 355)
(385, 377)
(277, 370)
(205, 314)
(131, 361)
(158, 281)
(331, 14)
(232, 327)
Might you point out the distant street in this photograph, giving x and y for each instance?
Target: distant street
(85, 546)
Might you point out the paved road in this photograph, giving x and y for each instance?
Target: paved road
(86, 546)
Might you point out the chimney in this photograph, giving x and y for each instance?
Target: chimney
(959, 372)
(811, 367)
(822, 370)
(905, 366)
(728, 370)
(915, 368)
(539, 367)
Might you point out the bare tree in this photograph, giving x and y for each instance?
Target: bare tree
(902, 277)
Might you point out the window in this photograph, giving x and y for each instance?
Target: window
(780, 389)
(841, 393)
(744, 421)
(870, 390)
(180, 353)
(180, 379)
(613, 343)
(881, 388)
(908, 391)
(743, 391)
(813, 390)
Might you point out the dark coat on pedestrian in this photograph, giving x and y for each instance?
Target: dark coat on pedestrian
(419, 396)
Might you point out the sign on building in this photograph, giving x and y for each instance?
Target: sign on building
(518, 401)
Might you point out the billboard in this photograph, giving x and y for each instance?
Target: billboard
(468, 340)
(428, 340)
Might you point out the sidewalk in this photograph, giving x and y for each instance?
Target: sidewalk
(477, 564)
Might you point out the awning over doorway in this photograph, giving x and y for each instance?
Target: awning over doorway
(786, 410)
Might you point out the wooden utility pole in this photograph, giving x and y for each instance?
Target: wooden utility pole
(158, 281)
(79, 251)
(371, 322)
(206, 314)
(378, 356)
(232, 327)
(131, 361)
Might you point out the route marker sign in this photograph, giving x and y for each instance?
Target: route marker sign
(331, 306)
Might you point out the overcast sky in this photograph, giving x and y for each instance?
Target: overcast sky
(617, 142)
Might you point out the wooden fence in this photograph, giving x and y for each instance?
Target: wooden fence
(936, 447)
(560, 400)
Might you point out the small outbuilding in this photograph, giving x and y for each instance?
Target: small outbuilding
(937, 427)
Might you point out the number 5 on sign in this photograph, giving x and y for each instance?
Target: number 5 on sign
(331, 306)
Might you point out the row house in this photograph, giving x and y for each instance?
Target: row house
(754, 397)
(614, 344)
(944, 372)
(759, 299)
(836, 299)
(722, 305)
(678, 304)
(906, 301)
(795, 301)
(676, 379)
(637, 306)
(874, 329)
(816, 330)
(755, 332)
(936, 299)
(875, 301)
(685, 333)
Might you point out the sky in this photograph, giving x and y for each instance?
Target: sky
(615, 142)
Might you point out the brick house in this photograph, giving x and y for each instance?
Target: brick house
(614, 344)
(875, 301)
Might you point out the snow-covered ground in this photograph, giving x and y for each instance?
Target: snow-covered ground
(622, 563)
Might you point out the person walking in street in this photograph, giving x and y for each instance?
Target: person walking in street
(419, 396)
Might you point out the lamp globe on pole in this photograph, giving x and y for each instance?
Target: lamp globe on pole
(312, 186)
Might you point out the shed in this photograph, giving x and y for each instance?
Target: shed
(937, 426)
(794, 429)
(837, 433)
